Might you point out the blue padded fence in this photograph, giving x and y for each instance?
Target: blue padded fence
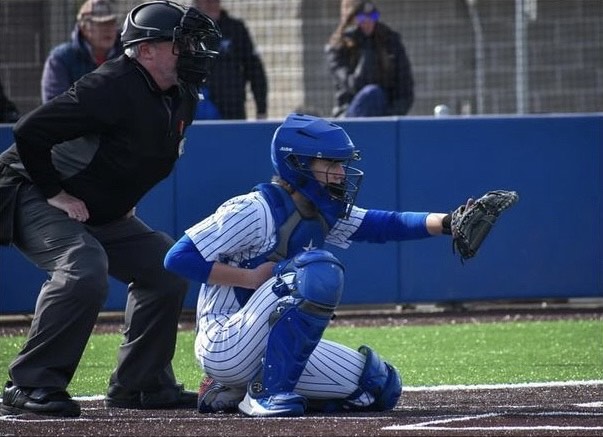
(549, 245)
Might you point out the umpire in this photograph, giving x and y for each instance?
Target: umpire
(69, 186)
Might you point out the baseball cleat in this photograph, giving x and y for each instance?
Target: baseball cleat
(278, 405)
(214, 396)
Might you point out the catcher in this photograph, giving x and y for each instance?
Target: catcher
(269, 290)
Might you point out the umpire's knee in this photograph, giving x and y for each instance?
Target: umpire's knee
(85, 276)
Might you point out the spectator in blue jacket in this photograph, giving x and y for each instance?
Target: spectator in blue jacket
(95, 39)
(238, 65)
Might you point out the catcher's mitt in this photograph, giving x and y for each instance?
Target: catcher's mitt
(471, 223)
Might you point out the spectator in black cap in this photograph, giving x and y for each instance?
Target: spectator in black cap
(368, 62)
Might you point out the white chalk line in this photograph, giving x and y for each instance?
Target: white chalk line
(496, 428)
(503, 386)
(432, 424)
(591, 405)
(429, 425)
(452, 387)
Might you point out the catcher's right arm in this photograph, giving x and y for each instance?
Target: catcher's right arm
(471, 223)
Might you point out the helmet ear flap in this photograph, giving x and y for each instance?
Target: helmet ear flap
(301, 178)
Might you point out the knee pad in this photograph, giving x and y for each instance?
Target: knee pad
(381, 380)
(379, 388)
(318, 278)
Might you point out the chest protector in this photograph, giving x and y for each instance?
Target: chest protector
(295, 233)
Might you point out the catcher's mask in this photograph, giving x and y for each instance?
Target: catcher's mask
(195, 36)
(303, 138)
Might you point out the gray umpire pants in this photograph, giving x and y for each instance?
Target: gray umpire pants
(79, 259)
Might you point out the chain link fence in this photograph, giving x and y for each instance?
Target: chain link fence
(473, 56)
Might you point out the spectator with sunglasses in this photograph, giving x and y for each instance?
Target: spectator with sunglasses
(369, 64)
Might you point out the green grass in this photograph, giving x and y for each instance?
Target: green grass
(488, 353)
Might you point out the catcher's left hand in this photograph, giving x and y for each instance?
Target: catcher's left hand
(469, 224)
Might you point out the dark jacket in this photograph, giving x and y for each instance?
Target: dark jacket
(237, 65)
(379, 59)
(108, 140)
(69, 61)
(8, 110)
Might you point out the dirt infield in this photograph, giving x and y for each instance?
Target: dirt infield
(539, 410)
(572, 409)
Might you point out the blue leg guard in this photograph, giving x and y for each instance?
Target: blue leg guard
(297, 326)
(380, 388)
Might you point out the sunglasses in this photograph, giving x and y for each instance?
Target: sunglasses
(362, 17)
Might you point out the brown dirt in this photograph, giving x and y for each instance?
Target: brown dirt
(529, 411)
(386, 316)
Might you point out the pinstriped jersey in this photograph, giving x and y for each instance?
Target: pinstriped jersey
(241, 229)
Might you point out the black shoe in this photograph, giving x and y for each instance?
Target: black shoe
(165, 398)
(43, 400)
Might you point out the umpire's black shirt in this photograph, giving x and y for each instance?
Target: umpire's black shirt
(107, 141)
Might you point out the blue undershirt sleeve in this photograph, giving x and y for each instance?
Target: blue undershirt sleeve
(382, 226)
(185, 260)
